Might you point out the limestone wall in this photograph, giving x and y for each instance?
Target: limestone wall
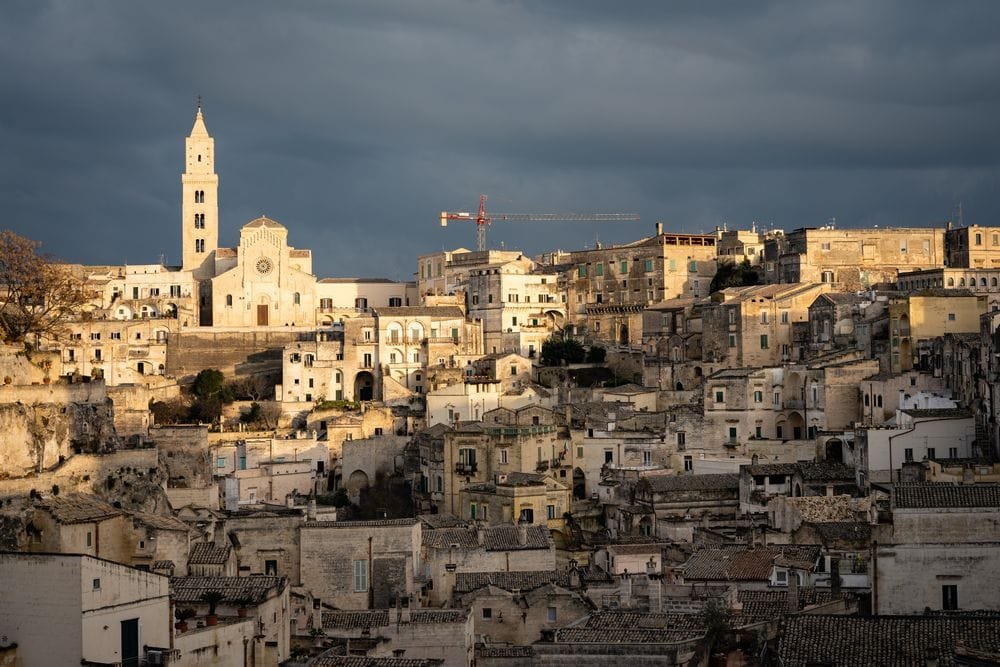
(81, 473)
(232, 352)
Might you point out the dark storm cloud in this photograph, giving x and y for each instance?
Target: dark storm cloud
(355, 123)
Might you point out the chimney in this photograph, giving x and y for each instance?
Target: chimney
(793, 592)
(574, 575)
(522, 533)
(626, 590)
(311, 512)
(404, 613)
(659, 228)
(480, 535)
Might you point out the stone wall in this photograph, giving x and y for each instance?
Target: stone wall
(232, 352)
(82, 473)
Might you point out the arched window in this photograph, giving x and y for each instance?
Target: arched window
(229, 300)
(961, 282)
(951, 282)
(993, 282)
(982, 282)
(297, 299)
(338, 377)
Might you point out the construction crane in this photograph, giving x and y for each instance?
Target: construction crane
(484, 219)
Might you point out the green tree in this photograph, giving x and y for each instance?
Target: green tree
(208, 382)
(734, 275)
(596, 354)
(556, 350)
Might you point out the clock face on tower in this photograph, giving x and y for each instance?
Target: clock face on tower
(264, 266)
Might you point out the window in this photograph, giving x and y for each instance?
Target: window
(579, 452)
(763, 341)
(949, 597)
(732, 340)
(550, 511)
(220, 462)
(90, 539)
(623, 267)
(732, 316)
(720, 395)
(758, 396)
(979, 239)
(395, 302)
(763, 317)
(647, 458)
(229, 300)
(551, 615)
(784, 317)
(688, 464)
(953, 452)
(581, 271)
(951, 317)
(777, 398)
(781, 577)
(487, 613)
(472, 511)
(648, 265)
(599, 269)
(297, 298)
(908, 454)
(360, 576)
(116, 335)
(97, 584)
(271, 567)
(681, 440)
(609, 456)
(930, 453)
(758, 432)
(732, 434)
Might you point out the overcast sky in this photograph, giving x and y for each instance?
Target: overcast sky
(356, 123)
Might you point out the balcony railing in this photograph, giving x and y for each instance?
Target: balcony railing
(466, 468)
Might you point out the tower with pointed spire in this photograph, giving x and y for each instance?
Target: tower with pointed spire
(200, 197)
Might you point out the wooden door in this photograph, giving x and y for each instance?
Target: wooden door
(262, 315)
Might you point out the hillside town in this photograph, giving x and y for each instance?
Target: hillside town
(742, 447)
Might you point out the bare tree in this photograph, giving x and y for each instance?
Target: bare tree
(38, 295)
(270, 412)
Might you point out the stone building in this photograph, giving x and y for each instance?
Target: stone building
(678, 500)
(81, 524)
(72, 609)
(403, 636)
(752, 567)
(918, 318)
(533, 498)
(940, 550)
(831, 321)
(752, 326)
(608, 288)
(741, 245)
(506, 441)
(852, 259)
(517, 607)
(263, 599)
(384, 356)
(520, 305)
(360, 564)
(506, 548)
(972, 247)
(881, 451)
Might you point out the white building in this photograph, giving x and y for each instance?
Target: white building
(66, 609)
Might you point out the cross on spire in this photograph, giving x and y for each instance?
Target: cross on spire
(198, 101)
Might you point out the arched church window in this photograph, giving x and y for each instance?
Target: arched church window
(229, 300)
(297, 299)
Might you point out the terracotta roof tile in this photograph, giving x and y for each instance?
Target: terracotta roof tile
(78, 508)
(881, 641)
(257, 588)
(938, 495)
(208, 553)
(737, 562)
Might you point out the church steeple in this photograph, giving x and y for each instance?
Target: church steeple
(200, 201)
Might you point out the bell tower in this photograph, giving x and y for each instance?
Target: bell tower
(200, 202)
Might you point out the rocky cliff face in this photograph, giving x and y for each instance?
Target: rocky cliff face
(36, 436)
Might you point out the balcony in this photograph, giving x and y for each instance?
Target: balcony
(364, 341)
(465, 468)
(793, 404)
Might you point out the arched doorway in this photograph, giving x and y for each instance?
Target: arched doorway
(579, 484)
(835, 450)
(356, 482)
(796, 424)
(364, 386)
(623, 335)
